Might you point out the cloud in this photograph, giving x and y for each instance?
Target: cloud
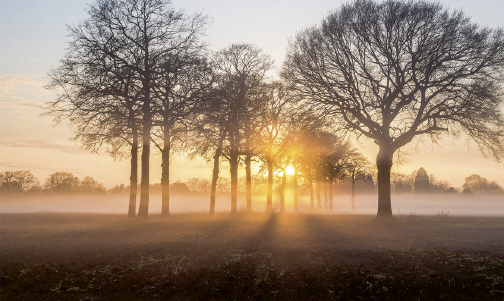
(23, 90)
(8, 165)
(43, 144)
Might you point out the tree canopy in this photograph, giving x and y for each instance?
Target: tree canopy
(395, 70)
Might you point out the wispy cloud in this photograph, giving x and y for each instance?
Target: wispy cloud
(43, 144)
(23, 90)
(8, 165)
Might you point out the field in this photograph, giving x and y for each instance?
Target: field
(65, 256)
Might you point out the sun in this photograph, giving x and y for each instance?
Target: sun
(290, 170)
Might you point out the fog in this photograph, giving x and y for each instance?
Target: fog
(402, 204)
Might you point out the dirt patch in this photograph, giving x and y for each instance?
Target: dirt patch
(250, 257)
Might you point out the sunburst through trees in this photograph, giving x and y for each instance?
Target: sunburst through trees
(137, 72)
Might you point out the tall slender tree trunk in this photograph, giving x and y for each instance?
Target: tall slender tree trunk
(330, 192)
(143, 210)
(353, 192)
(295, 180)
(215, 174)
(319, 199)
(326, 195)
(282, 190)
(269, 196)
(133, 174)
(165, 172)
(234, 142)
(248, 177)
(310, 189)
(384, 165)
(233, 168)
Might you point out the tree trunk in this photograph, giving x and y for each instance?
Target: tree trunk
(144, 186)
(269, 197)
(282, 191)
(143, 210)
(310, 188)
(133, 175)
(330, 192)
(296, 208)
(326, 195)
(248, 176)
(215, 176)
(353, 193)
(233, 168)
(165, 173)
(319, 199)
(384, 165)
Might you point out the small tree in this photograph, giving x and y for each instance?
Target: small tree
(62, 181)
(478, 183)
(90, 185)
(17, 181)
(358, 168)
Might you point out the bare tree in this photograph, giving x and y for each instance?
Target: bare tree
(120, 52)
(90, 185)
(178, 92)
(358, 168)
(17, 180)
(98, 95)
(241, 70)
(396, 70)
(269, 141)
(209, 135)
(62, 181)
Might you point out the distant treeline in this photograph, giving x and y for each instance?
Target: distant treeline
(419, 181)
(23, 181)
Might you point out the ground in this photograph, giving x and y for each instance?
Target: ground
(250, 257)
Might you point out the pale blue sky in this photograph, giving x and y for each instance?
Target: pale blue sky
(33, 39)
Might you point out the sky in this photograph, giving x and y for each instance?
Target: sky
(33, 38)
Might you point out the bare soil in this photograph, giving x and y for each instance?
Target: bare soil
(250, 257)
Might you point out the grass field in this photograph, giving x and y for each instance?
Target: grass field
(64, 256)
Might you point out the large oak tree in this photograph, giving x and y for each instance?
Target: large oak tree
(395, 70)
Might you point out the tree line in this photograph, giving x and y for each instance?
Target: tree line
(137, 75)
(23, 181)
(15, 181)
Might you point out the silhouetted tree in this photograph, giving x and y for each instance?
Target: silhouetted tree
(270, 140)
(98, 96)
(358, 168)
(401, 182)
(177, 92)
(198, 185)
(436, 185)
(395, 70)
(241, 71)
(90, 185)
(119, 189)
(308, 129)
(126, 42)
(477, 183)
(62, 181)
(209, 134)
(179, 188)
(333, 167)
(17, 181)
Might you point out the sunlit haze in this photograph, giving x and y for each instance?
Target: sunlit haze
(33, 39)
(251, 150)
